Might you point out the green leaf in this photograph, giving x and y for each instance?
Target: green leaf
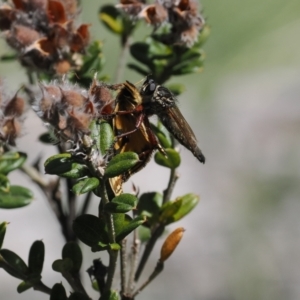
(188, 203)
(46, 138)
(92, 61)
(144, 234)
(85, 185)
(138, 69)
(140, 51)
(36, 257)
(127, 229)
(95, 285)
(168, 211)
(202, 38)
(18, 196)
(176, 210)
(121, 204)
(58, 292)
(64, 165)
(4, 184)
(163, 135)
(90, 230)
(111, 18)
(62, 265)
(172, 160)
(149, 204)
(72, 251)
(193, 66)
(8, 57)
(95, 132)
(10, 161)
(16, 262)
(106, 137)
(3, 226)
(121, 163)
(24, 286)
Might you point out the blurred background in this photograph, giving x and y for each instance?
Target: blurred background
(243, 239)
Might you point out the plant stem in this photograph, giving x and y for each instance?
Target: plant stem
(75, 283)
(134, 259)
(123, 265)
(122, 60)
(148, 249)
(159, 267)
(113, 254)
(39, 286)
(157, 232)
(171, 184)
(86, 203)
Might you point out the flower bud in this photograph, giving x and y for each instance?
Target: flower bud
(171, 243)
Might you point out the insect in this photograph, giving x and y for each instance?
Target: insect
(132, 131)
(158, 100)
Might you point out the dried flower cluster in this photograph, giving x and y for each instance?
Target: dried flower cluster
(70, 109)
(11, 110)
(182, 15)
(43, 33)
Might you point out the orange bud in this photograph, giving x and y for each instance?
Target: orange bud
(171, 243)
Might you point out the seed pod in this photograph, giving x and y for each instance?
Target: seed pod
(171, 243)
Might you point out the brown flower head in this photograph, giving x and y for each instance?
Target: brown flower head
(131, 7)
(182, 16)
(44, 34)
(69, 109)
(11, 116)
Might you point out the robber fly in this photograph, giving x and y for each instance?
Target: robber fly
(158, 100)
(132, 131)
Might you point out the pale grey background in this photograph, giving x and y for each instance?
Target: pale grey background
(242, 241)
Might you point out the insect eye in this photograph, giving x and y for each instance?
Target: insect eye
(150, 88)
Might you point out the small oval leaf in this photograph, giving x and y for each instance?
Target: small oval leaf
(17, 196)
(4, 184)
(133, 224)
(85, 185)
(36, 257)
(10, 161)
(106, 137)
(90, 230)
(24, 286)
(121, 163)
(64, 165)
(149, 204)
(16, 262)
(188, 203)
(62, 265)
(72, 251)
(121, 204)
(58, 292)
(3, 226)
(168, 211)
(172, 160)
(111, 18)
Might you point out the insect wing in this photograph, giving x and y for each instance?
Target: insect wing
(140, 140)
(174, 121)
